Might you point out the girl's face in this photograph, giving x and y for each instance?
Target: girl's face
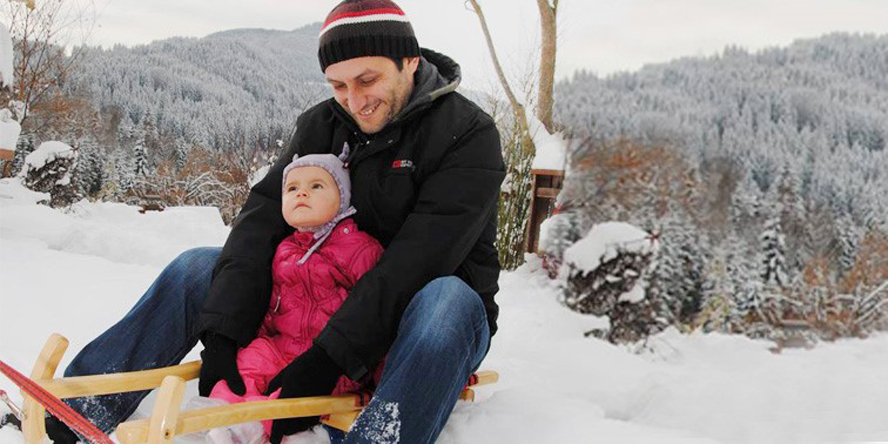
(311, 197)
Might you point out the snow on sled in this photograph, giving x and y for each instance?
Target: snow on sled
(166, 420)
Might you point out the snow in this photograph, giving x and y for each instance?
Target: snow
(636, 294)
(602, 242)
(9, 130)
(47, 152)
(77, 271)
(13, 193)
(258, 175)
(5, 56)
(551, 149)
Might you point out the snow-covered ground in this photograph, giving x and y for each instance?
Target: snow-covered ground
(77, 272)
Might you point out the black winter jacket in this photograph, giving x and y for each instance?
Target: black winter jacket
(426, 187)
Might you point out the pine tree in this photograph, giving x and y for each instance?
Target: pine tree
(773, 249)
(91, 168)
(23, 147)
(140, 158)
(849, 240)
(181, 155)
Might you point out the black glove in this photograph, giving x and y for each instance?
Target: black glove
(312, 373)
(219, 358)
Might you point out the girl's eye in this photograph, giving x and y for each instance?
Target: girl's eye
(317, 186)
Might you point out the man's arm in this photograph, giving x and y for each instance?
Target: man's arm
(453, 206)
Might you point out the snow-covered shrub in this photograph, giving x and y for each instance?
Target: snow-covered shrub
(557, 234)
(513, 208)
(49, 170)
(606, 273)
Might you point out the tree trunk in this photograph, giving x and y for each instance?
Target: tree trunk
(545, 98)
(517, 107)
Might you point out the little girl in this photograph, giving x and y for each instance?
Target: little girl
(313, 271)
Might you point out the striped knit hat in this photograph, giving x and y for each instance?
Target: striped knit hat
(361, 28)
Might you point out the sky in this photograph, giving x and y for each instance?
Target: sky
(601, 36)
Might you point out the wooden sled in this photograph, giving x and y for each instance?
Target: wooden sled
(166, 420)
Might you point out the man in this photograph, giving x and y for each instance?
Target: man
(426, 167)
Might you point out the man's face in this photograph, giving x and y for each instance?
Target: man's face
(372, 89)
(311, 197)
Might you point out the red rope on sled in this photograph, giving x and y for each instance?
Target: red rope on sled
(54, 405)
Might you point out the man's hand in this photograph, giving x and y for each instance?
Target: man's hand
(219, 358)
(312, 373)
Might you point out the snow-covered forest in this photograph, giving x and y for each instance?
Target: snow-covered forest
(183, 120)
(764, 175)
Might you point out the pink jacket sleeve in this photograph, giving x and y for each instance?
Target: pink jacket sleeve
(365, 259)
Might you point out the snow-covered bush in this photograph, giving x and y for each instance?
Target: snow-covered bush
(557, 234)
(49, 170)
(606, 274)
(513, 208)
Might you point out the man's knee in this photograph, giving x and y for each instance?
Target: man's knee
(446, 304)
(449, 297)
(197, 258)
(194, 264)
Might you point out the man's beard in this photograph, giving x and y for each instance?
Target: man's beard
(396, 100)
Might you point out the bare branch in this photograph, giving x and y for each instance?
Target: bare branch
(517, 107)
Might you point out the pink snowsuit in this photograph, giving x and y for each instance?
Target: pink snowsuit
(303, 300)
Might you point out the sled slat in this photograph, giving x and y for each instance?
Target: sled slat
(93, 385)
(192, 421)
(341, 421)
(485, 377)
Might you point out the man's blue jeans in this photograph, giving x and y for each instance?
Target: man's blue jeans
(442, 338)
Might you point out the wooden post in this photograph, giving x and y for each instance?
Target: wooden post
(34, 426)
(162, 427)
(546, 186)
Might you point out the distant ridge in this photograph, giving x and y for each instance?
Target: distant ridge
(224, 90)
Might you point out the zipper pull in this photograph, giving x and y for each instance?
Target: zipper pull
(278, 303)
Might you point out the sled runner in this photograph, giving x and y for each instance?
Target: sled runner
(166, 420)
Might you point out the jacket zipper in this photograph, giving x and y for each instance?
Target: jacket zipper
(278, 303)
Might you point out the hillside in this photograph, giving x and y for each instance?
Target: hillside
(223, 91)
(817, 107)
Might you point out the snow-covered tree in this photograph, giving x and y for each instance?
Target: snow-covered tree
(773, 254)
(606, 274)
(49, 169)
(140, 158)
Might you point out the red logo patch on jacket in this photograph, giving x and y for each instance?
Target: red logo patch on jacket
(402, 164)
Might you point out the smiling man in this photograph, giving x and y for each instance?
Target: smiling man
(426, 167)
(372, 89)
